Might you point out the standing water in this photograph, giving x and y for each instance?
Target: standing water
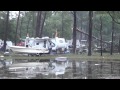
(51, 69)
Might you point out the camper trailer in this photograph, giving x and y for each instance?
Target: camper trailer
(69, 42)
(8, 44)
(60, 44)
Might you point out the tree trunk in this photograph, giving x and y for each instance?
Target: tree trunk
(86, 36)
(38, 24)
(111, 52)
(33, 24)
(81, 29)
(62, 24)
(6, 30)
(74, 33)
(44, 17)
(119, 45)
(90, 33)
(81, 23)
(74, 68)
(21, 27)
(101, 34)
(89, 76)
(17, 28)
(28, 24)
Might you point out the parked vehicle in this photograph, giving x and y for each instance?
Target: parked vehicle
(8, 44)
(33, 46)
(60, 44)
(81, 46)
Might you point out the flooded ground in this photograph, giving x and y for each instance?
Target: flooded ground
(51, 69)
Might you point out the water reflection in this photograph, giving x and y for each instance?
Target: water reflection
(51, 69)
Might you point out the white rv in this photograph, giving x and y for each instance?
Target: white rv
(9, 43)
(69, 42)
(59, 44)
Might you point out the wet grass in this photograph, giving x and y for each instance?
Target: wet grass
(95, 56)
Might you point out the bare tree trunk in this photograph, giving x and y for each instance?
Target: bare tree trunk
(86, 36)
(17, 28)
(119, 45)
(33, 24)
(74, 68)
(21, 27)
(90, 33)
(81, 23)
(62, 24)
(89, 76)
(101, 34)
(38, 24)
(6, 30)
(44, 17)
(111, 52)
(81, 29)
(74, 33)
(28, 24)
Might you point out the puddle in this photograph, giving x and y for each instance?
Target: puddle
(51, 69)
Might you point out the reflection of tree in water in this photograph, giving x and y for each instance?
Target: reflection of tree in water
(5, 73)
(74, 68)
(101, 66)
(94, 69)
(111, 67)
(103, 69)
(38, 76)
(89, 70)
(115, 68)
(119, 68)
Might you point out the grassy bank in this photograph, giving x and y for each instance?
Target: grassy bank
(95, 56)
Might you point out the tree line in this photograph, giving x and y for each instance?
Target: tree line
(102, 24)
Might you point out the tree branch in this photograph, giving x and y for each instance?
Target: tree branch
(113, 18)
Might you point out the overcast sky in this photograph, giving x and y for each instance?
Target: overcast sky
(13, 14)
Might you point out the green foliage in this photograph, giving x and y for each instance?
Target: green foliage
(53, 22)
